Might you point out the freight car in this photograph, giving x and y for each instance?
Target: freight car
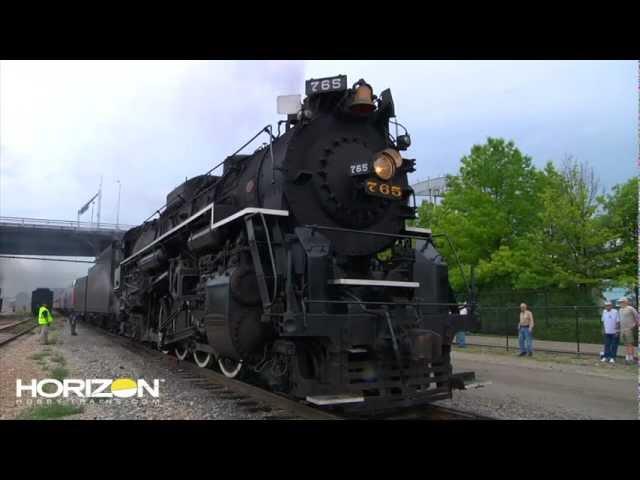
(92, 296)
(296, 267)
(63, 300)
(41, 296)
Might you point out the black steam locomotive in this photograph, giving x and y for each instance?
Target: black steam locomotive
(295, 266)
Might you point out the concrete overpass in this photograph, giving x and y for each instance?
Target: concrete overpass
(432, 188)
(35, 236)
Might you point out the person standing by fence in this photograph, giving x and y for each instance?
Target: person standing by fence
(525, 331)
(73, 320)
(611, 326)
(628, 326)
(460, 336)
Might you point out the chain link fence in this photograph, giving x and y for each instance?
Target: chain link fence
(571, 327)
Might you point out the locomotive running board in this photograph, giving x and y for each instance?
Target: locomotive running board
(417, 230)
(334, 399)
(373, 283)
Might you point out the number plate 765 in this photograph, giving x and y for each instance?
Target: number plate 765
(373, 187)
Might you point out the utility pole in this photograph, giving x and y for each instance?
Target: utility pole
(99, 200)
(85, 207)
(118, 210)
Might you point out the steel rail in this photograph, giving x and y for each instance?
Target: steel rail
(434, 412)
(249, 397)
(12, 336)
(14, 324)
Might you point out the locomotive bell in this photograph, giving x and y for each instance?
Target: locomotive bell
(363, 99)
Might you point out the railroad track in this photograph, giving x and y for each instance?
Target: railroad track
(16, 329)
(9, 323)
(247, 397)
(253, 399)
(435, 412)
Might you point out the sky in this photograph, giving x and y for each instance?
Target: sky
(150, 124)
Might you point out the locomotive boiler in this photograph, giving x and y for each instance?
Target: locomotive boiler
(295, 267)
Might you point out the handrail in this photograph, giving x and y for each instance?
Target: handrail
(69, 224)
(212, 226)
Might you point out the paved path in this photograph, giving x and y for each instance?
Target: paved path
(569, 347)
(525, 388)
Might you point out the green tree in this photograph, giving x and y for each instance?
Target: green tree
(524, 228)
(621, 220)
(569, 249)
(488, 207)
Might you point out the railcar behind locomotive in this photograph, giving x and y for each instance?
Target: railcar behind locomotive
(295, 266)
(92, 296)
(63, 300)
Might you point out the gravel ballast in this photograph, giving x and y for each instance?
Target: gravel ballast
(94, 355)
(518, 388)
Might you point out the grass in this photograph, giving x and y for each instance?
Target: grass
(50, 411)
(40, 356)
(59, 358)
(53, 362)
(59, 373)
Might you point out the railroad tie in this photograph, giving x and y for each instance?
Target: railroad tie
(259, 409)
(280, 417)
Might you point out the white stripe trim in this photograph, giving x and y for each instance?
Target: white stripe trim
(334, 399)
(247, 211)
(173, 230)
(373, 283)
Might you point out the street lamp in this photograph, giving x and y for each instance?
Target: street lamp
(118, 209)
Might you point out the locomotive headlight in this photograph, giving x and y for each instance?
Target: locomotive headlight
(395, 156)
(384, 167)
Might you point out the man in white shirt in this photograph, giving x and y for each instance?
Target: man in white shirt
(460, 336)
(611, 327)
